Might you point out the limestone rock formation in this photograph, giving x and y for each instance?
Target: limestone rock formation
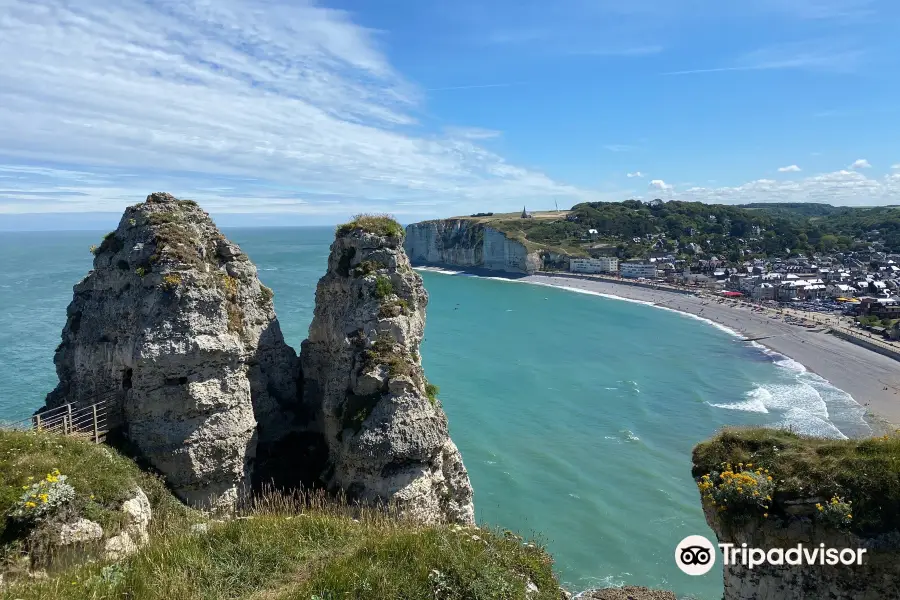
(468, 244)
(173, 330)
(386, 438)
(822, 513)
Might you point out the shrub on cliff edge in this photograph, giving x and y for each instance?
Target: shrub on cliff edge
(66, 478)
(384, 225)
(865, 472)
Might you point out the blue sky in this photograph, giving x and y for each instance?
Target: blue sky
(306, 113)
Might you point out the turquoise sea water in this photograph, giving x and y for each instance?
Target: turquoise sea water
(575, 414)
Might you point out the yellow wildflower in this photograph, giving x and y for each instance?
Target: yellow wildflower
(30, 504)
(765, 515)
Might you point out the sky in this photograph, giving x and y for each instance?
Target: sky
(301, 112)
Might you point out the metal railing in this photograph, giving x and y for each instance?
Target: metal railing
(91, 421)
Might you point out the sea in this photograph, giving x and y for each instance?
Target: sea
(575, 413)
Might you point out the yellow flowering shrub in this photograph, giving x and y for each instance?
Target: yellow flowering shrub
(835, 512)
(738, 488)
(43, 497)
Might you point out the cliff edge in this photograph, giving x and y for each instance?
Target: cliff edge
(772, 489)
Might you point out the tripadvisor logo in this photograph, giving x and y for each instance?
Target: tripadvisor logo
(696, 555)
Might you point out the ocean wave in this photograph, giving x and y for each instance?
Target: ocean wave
(804, 402)
(624, 435)
(437, 270)
(755, 402)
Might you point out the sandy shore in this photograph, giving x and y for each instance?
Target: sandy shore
(872, 379)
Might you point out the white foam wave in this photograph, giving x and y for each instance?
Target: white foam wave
(755, 402)
(437, 270)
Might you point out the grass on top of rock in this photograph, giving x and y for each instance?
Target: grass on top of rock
(102, 480)
(865, 472)
(384, 225)
(307, 546)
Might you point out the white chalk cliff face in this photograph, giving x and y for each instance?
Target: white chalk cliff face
(174, 329)
(467, 244)
(387, 440)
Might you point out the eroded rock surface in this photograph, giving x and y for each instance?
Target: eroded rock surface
(173, 329)
(363, 380)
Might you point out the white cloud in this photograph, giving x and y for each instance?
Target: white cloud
(838, 188)
(789, 169)
(895, 167)
(823, 56)
(619, 147)
(294, 96)
(659, 184)
(635, 174)
(861, 164)
(473, 133)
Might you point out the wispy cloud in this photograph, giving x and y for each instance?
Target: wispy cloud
(861, 164)
(284, 93)
(473, 133)
(476, 86)
(635, 174)
(896, 167)
(818, 56)
(619, 147)
(789, 169)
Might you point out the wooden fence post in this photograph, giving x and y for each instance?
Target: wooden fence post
(37, 421)
(69, 415)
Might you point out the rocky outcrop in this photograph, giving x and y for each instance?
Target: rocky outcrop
(467, 244)
(822, 515)
(176, 338)
(174, 332)
(877, 577)
(386, 434)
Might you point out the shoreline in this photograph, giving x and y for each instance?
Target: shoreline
(871, 379)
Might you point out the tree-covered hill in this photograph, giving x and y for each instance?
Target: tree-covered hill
(635, 229)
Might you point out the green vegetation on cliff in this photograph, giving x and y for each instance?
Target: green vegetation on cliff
(864, 474)
(732, 232)
(384, 225)
(91, 480)
(279, 547)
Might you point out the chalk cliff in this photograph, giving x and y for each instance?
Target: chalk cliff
(174, 330)
(774, 490)
(387, 435)
(467, 244)
(174, 333)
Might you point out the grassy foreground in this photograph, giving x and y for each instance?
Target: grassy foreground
(865, 472)
(302, 546)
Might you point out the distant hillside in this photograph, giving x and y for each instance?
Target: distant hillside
(792, 209)
(635, 229)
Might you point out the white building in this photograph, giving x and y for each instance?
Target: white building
(594, 265)
(634, 270)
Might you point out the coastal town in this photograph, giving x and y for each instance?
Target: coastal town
(862, 285)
